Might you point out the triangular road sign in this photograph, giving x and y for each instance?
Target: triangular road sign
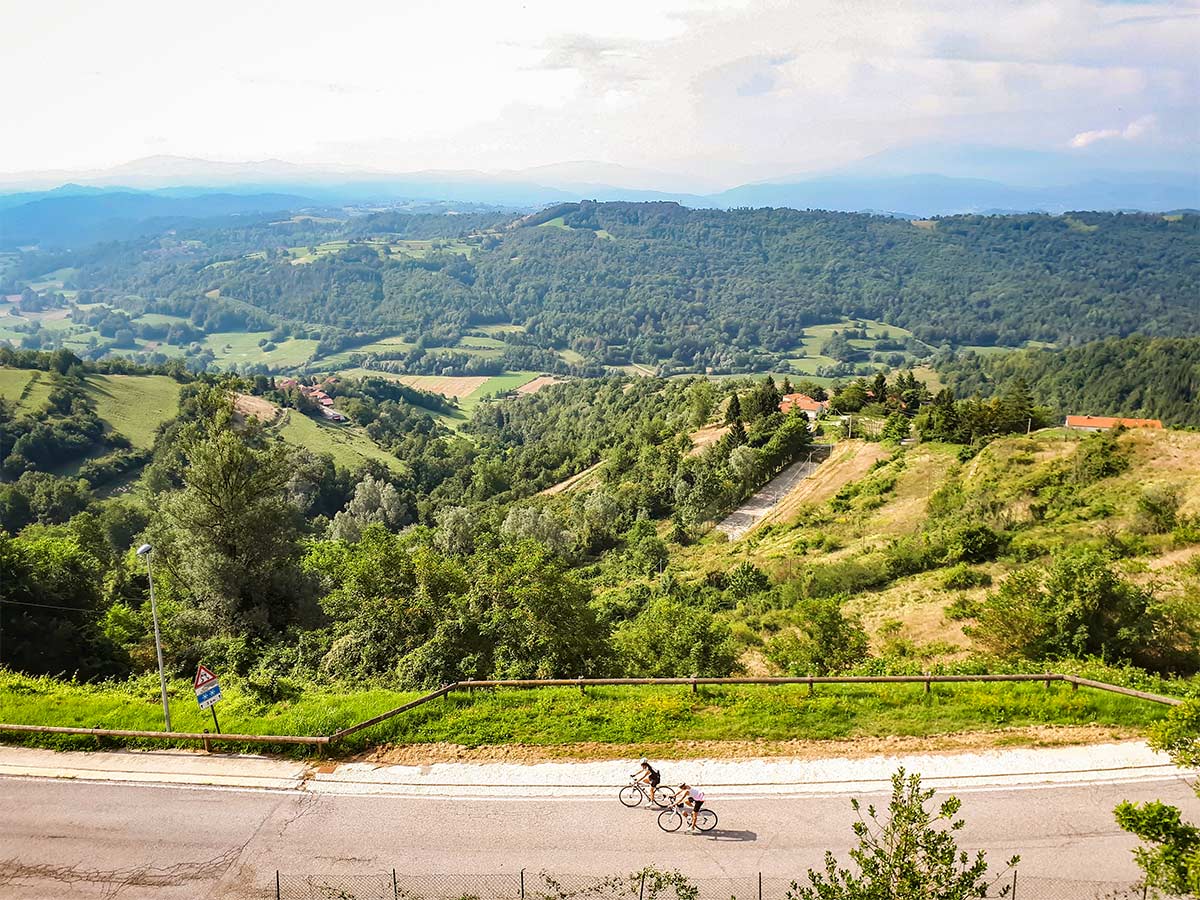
(204, 675)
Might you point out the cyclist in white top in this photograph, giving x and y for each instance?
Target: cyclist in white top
(692, 797)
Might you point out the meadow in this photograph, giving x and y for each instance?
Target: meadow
(634, 719)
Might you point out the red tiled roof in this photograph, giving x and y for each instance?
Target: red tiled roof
(801, 401)
(1110, 422)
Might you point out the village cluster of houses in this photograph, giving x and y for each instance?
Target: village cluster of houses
(316, 394)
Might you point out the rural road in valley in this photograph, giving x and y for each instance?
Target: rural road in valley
(68, 838)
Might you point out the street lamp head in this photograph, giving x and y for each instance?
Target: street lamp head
(144, 549)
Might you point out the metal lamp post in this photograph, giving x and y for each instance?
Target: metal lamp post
(144, 550)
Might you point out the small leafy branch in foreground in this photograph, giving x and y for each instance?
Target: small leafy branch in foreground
(912, 854)
(1171, 862)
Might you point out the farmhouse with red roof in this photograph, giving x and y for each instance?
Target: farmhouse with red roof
(806, 404)
(1103, 423)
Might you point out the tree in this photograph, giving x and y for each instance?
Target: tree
(746, 464)
(373, 501)
(701, 400)
(538, 523)
(823, 641)
(50, 597)
(455, 531)
(1172, 861)
(671, 639)
(896, 428)
(1079, 606)
(733, 410)
(912, 854)
(230, 537)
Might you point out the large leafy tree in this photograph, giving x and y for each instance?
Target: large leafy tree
(229, 537)
(909, 853)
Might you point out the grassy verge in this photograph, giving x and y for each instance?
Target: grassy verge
(552, 717)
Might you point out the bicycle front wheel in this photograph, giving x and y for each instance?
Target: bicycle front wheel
(630, 796)
(706, 820)
(670, 820)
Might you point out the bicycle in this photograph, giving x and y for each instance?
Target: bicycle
(671, 819)
(635, 792)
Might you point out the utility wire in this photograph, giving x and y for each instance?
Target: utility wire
(48, 606)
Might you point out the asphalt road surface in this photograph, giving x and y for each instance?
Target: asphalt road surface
(67, 839)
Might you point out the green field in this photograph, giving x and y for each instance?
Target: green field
(485, 343)
(502, 328)
(808, 358)
(14, 382)
(571, 357)
(348, 445)
(160, 319)
(135, 405)
(393, 344)
(232, 347)
(632, 719)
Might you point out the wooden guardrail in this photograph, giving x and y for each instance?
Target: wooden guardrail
(320, 742)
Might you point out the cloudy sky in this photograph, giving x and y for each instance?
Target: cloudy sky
(721, 92)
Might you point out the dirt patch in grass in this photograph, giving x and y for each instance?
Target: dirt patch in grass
(264, 410)
(850, 461)
(568, 483)
(706, 437)
(1033, 736)
(538, 383)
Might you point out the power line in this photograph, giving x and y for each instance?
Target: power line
(48, 606)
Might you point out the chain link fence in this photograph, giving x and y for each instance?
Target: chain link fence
(648, 885)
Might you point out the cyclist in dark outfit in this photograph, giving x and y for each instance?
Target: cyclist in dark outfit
(648, 775)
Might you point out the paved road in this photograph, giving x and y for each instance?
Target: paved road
(756, 507)
(61, 839)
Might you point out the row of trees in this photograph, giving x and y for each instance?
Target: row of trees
(690, 290)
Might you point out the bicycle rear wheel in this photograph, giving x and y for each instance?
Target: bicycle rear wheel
(706, 820)
(670, 820)
(662, 797)
(630, 796)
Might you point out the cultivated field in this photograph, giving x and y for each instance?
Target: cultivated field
(538, 383)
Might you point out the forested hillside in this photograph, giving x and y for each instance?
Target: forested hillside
(1134, 376)
(614, 284)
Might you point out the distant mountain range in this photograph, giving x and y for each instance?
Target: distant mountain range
(70, 208)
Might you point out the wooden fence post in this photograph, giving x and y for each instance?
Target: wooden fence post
(395, 887)
(276, 884)
(522, 884)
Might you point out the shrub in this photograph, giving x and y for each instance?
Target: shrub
(823, 640)
(1158, 508)
(1079, 606)
(745, 580)
(910, 555)
(962, 577)
(973, 543)
(962, 608)
(672, 639)
(846, 576)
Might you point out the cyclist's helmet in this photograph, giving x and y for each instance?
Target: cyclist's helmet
(643, 761)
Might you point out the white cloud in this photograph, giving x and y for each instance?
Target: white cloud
(723, 90)
(1135, 130)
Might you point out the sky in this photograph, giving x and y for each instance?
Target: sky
(712, 93)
